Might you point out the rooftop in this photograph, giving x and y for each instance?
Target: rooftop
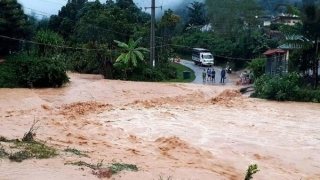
(274, 51)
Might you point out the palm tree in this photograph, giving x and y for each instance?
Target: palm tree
(131, 54)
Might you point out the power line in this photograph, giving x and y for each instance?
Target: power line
(95, 49)
(52, 2)
(57, 46)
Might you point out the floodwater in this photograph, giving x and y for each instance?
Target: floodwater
(183, 131)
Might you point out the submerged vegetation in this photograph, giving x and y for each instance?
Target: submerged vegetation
(252, 169)
(18, 151)
(76, 152)
(106, 171)
(27, 147)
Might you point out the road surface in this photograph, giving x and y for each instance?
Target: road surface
(198, 73)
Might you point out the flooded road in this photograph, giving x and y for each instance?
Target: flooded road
(183, 131)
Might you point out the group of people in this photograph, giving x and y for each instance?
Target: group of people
(210, 75)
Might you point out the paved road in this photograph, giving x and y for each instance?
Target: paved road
(198, 72)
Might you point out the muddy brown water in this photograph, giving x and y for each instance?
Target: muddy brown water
(183, 131)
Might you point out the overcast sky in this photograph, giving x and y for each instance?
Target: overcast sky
(49, 7)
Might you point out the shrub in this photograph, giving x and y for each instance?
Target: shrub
(257, 66)
(8, 78)
(49, 41)
(28, 71)
(146, 74)
(152, 75)
(278, 87)
(306, 95)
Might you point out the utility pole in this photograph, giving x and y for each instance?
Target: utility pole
(152, 34)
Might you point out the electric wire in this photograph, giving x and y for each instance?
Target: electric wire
(99, 49)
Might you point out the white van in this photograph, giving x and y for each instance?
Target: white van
(203, 57)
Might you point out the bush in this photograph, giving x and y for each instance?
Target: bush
(257, 66)
(277, 88)
(8, 78)
(28, 71)
(147, 74)
(306, 95)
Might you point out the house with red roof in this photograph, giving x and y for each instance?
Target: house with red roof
(276, 62)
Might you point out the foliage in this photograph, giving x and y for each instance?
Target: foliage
(178, 70)
(75, 151)
(107, 22)
(311, 30)
(278, 88)
(14, 24)
(28, 71)
(287, 8)
(248, 45)
(29, 136)
(130, 56)
(8, 77)
(97, 59)
(64, 22)
(252, 169)
(82, 163)
(307, 95)
(150, 74)
(33, 150)
(3, 153)
(168, 22)
(257, 66)
(114, 168)
(117, 167)
(238, 13)
(50, 43)
(295, 63)
(93, 25)
(198, 14)
(27, 150)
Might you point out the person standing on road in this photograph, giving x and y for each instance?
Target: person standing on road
(209, 74)
(223, 75)
(213, 75)
(204, 74)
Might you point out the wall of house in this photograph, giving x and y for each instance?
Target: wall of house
(276, 64)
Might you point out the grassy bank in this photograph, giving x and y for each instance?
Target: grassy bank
(180, 68)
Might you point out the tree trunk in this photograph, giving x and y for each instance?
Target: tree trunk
(316, 73)
(315, 68)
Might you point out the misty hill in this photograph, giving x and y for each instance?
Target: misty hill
(179, 6)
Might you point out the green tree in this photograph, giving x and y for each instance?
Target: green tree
(131, 54)
(13, 24)
(311, 30)
(197, 14)
(64, 22)
(168, 22)
(257, 66)
(50, 43)
(290, 9)
(104, 23)
(229, 16)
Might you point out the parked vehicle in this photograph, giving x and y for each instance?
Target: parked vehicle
(203, 57)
